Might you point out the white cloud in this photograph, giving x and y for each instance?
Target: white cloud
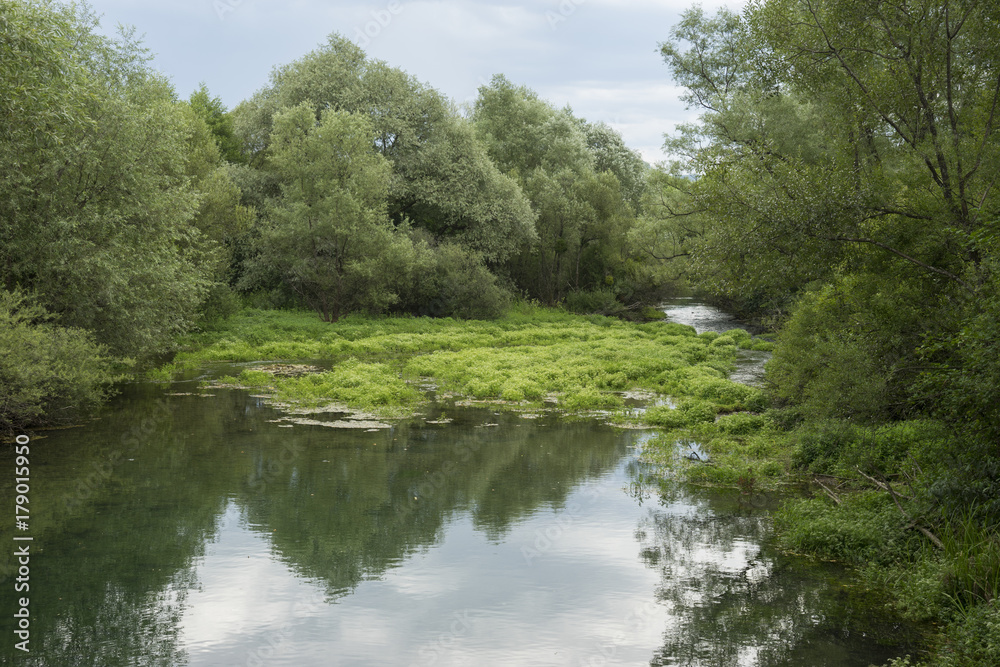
(600, 56)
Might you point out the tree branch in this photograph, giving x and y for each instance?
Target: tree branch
(908, 258)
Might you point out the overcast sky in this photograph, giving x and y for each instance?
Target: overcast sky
(599, 56)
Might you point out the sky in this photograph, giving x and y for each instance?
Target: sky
(600, 57)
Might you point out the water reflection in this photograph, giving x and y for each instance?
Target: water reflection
(187, 530)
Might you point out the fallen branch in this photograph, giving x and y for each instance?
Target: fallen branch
(884, 486)
(829, 492)
(913, 522)
(930, 536)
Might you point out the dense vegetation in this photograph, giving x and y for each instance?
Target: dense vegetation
(842, 178)
(531, 358)
(838, 187)
(131, 216)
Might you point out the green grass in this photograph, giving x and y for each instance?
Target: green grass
(530, 357)
(371, 387)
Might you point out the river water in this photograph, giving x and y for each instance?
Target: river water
(703, 317)
(193, 527)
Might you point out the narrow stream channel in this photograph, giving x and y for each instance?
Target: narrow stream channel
(703, 317)
(182, 528)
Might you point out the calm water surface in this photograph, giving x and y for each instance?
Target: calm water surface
(196, 530)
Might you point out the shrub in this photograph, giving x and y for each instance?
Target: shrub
(588, 302)
(864, 529)
(688, 412)
(820, 446)
(452, 281)
(741, 423)
(49, 373)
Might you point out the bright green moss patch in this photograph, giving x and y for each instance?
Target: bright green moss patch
(372, 387)
(529, 357)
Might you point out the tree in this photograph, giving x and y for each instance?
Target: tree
(845, 164)
(571, 171)
(96, 199)
(661, 241)
(329, 236)
(611, 154)
(48, 373)
(213, 112)
(443, 181)
(834, 130)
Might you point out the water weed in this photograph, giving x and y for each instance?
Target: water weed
(528, 357)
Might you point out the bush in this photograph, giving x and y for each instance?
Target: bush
(451, 281)
(741, 423)
(820, 445)
(688, 413)
(846, 350)
(864, 529)
(48, 373)
(221, 302)
(590, 302)
(465, 286)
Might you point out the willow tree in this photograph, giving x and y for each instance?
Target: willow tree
(443, 181)
(329, 236)
(584, 185)
(96, 200)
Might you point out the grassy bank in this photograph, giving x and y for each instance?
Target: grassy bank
(874, 502)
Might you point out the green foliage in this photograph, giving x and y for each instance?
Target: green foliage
(686, 413)
(584, 186)
(599, 301)
(820, 444)
(213, 112)
(612, 155)
(451, 281)
(972, 640)
(528, 355)
(373, 387)
(864, 529)
(443, 180)
(329, 238)
(848, 350)
(829, 172)
(48, 373)
(97, 199)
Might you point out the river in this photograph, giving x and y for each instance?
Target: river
(193, 527)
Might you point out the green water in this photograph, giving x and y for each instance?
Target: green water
(196, 530)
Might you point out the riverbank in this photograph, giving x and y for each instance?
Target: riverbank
(872, 501)
(872, 487)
